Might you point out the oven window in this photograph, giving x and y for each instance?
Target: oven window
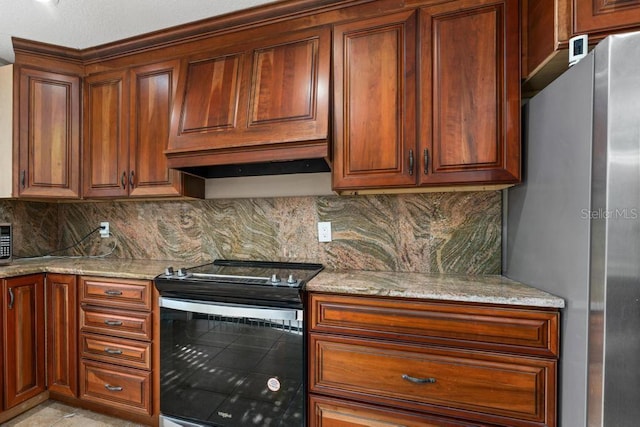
(224, 371)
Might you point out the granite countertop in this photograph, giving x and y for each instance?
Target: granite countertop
(479, 289)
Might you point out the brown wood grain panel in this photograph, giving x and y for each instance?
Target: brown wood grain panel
(24, 339)
(524, 331)
(374, 94)
(501, 389)
(47, 134)
(120, 293)
(117, 323)
(211, 94)
(106, 143)
(330, 412)
(124, 388)
(136, 354)
(470, 54)
(284, 82)
(605, 16)
(62, 335)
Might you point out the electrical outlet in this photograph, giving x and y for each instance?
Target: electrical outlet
(104, 229)
(324, 232)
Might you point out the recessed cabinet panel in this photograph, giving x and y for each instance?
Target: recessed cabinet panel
(471, 109)
(374, 69)
(595, 16)
(271, 94)
(106, 142)
(211, 94)
(152, 90)
(48, 135)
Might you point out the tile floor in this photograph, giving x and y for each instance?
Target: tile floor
(52, 413)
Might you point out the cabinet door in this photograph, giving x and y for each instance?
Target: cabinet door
(24, 338)
(62, 335)
(106, 144)
(594, 16)
(241, 103)
(470, 74)
(152, 91)
(47, 134)
(375, 102)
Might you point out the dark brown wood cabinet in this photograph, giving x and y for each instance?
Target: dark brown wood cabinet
(549, 24)
(429, 97)
(116, 346)
(126, 129)
(253, 100)
(46, 151)
(62, 334)
(429, 362)
(23, 338)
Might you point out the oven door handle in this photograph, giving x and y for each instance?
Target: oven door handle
(232, 310)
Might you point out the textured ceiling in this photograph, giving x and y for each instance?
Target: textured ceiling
(87, 23)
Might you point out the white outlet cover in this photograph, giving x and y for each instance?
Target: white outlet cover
(324, 232)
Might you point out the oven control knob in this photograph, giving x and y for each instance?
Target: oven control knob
(168, 271)
(275, 278)
(182, 272)
(291, 280)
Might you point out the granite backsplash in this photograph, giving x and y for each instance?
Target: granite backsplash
(428, 233)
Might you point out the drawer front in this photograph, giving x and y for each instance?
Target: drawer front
(498, 329)
(124, 388)
(505, 390)
(122, 293)
(136, 354)
(338, 412)
(117, 323)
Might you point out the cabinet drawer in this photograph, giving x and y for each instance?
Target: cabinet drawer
(118, 323)
(339, 412)
(499, 389)
(124, 388)
(121, 293)
(136, 354)
(500, 329)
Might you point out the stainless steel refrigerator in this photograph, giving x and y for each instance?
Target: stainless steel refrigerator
(573, 228)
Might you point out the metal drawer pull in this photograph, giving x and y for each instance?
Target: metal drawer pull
(112, 350)
(113, 387)
(411, 161)
(11, 298)
(418, 380)
(113, 322)
(112, 292)
(123, 180)
(426, 161)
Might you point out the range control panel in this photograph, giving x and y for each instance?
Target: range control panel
(6, 243)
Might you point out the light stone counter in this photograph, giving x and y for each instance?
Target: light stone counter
(106, 267)
(478, 289)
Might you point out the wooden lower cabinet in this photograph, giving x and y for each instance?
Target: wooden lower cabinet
(62, 334)
(437, 368)
(23, 338)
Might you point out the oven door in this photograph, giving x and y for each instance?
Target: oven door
(231, 365)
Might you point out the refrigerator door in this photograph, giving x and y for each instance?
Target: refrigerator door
(547, 220)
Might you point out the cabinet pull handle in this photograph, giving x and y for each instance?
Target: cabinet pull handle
(113, 387)
(11, 298)
(113, 292)
(123, 180)
(113, 322)
(22, 178)
(426, 161)
(112, 350)
(418, 380)
(411, 161)
(131, 175)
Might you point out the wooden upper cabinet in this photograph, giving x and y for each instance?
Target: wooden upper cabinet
(254, 101)
(596, 16)
(375, 102)
(127, 116)
(24, 338)
(47, 134)
(106, 143)
(470, 117)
